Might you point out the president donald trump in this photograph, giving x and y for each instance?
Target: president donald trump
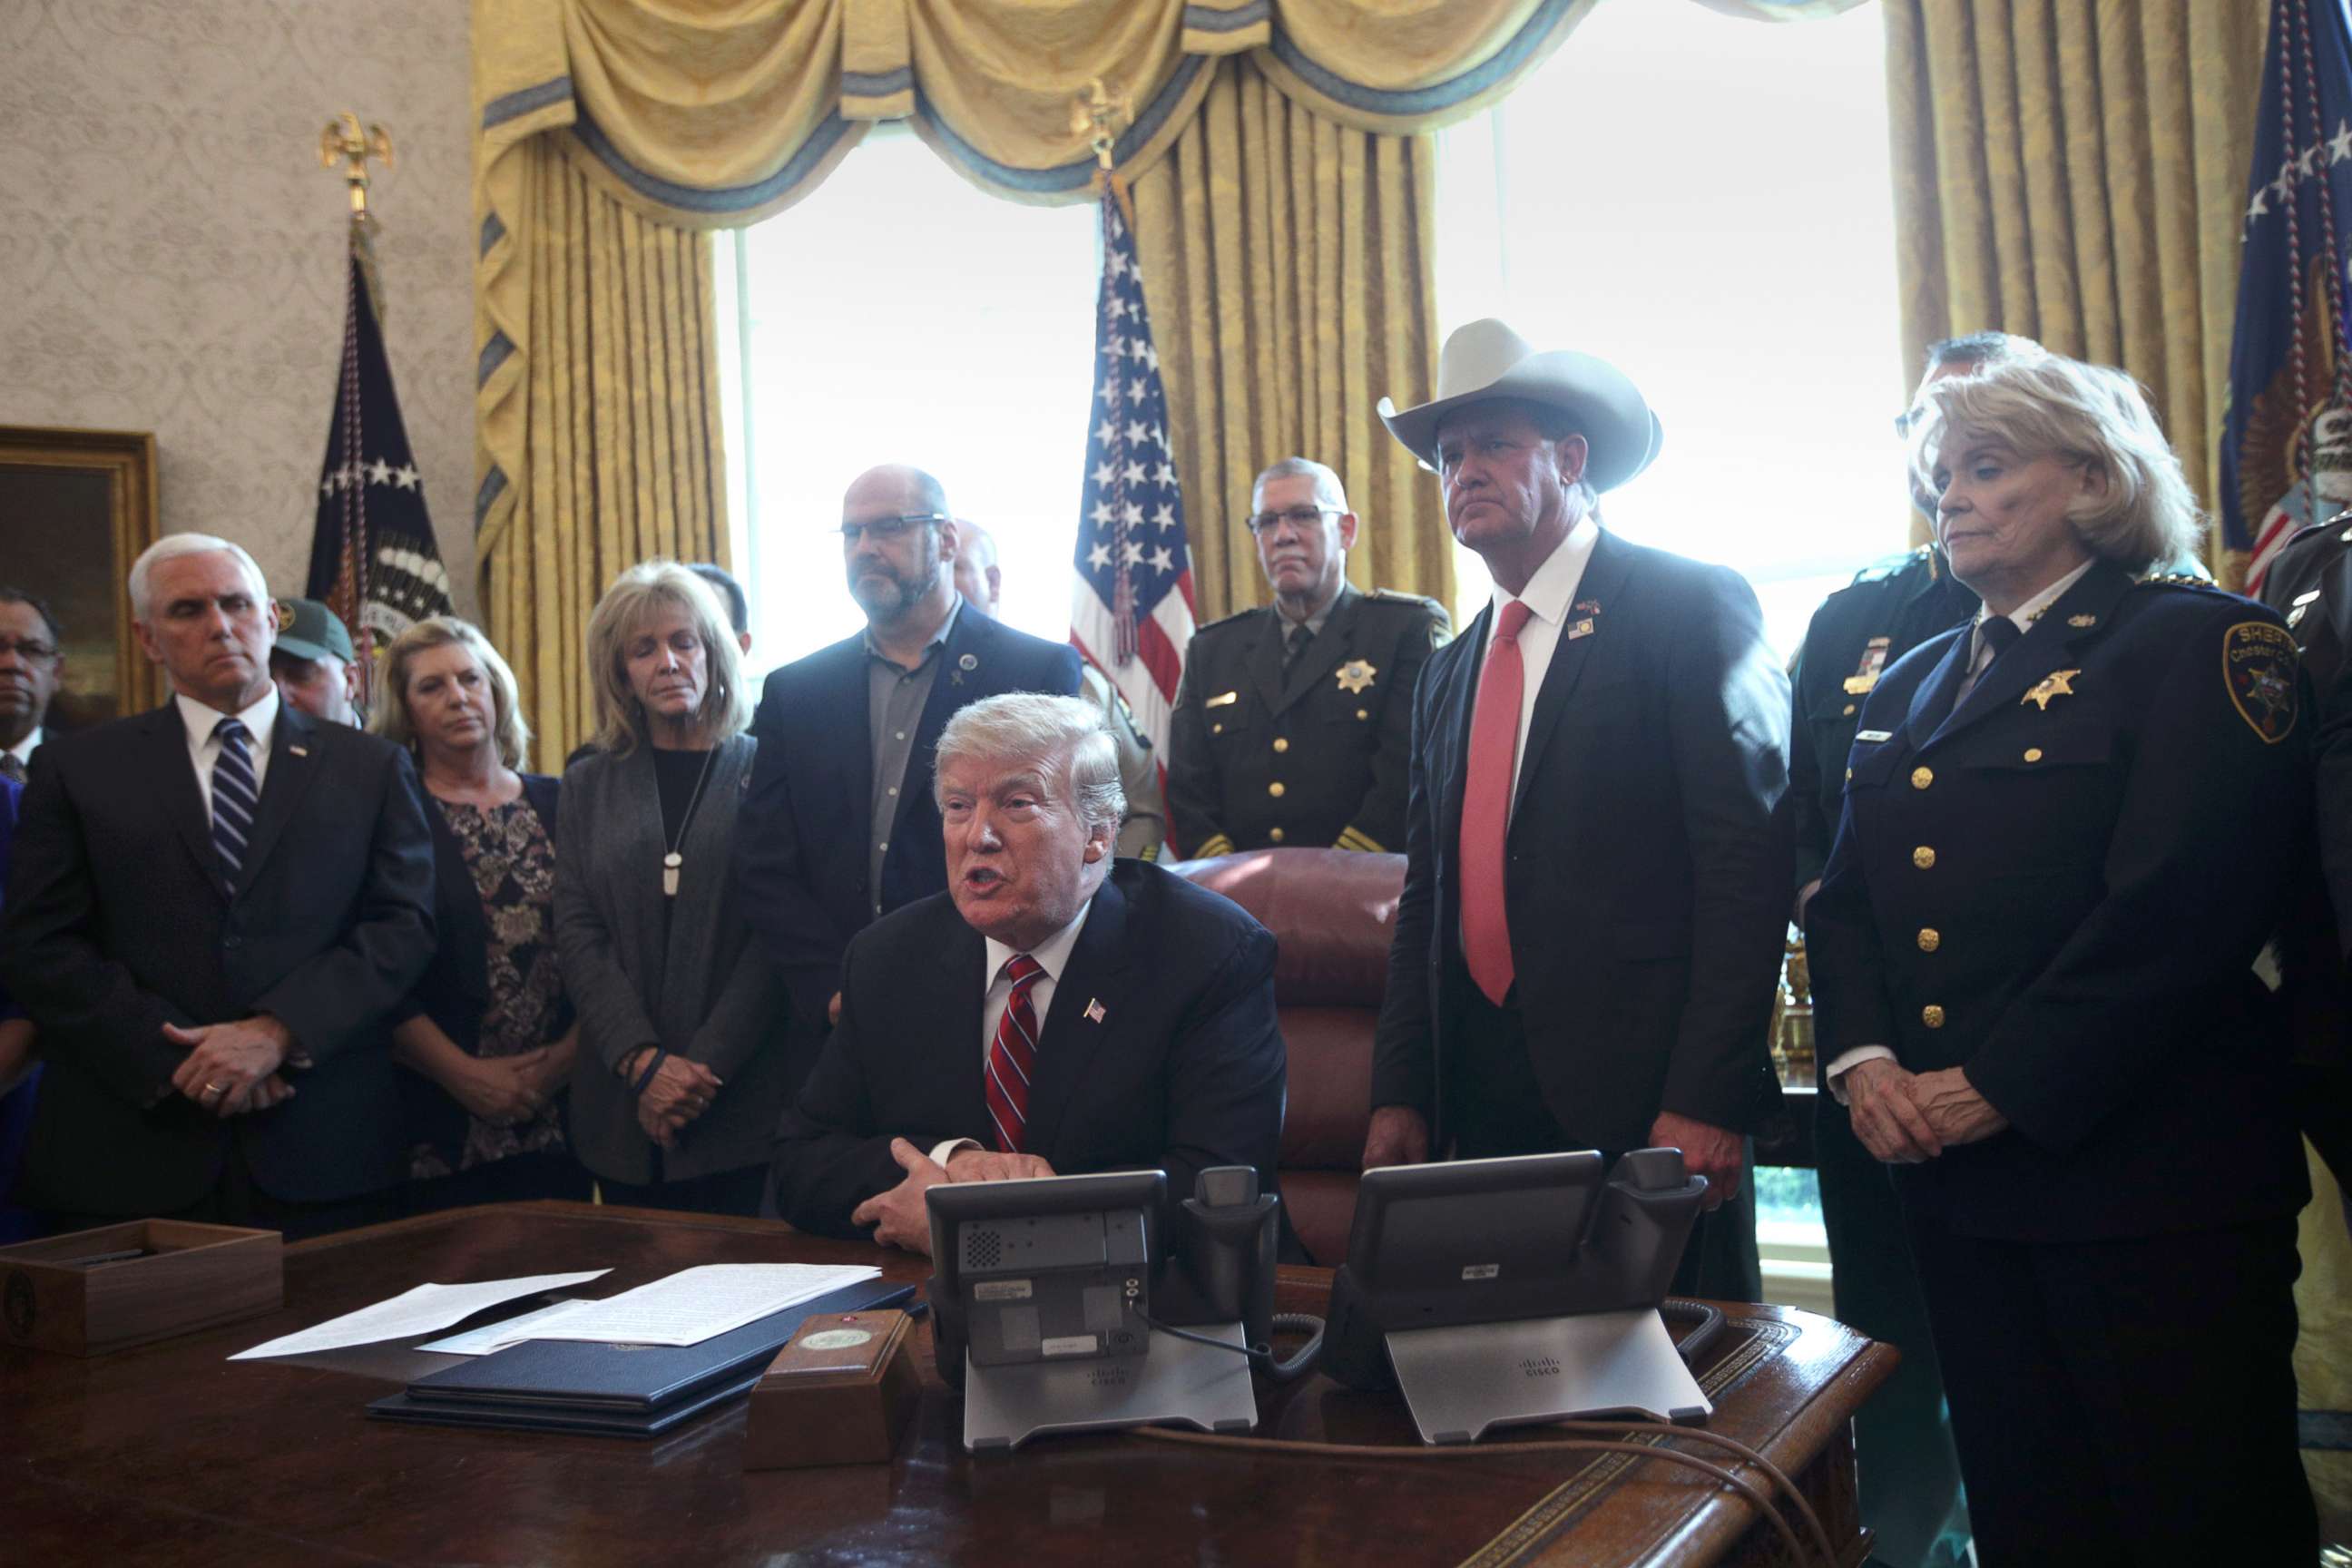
(1055, 1012)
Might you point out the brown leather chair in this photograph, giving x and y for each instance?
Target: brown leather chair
(1333, 911)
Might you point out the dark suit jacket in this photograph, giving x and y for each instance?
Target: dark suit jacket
(1897, 605)
(118, 922)
(1647, 863)
(683, 974)
(1183, 1070)
(455, 990)
(801, 850)
(2104, 865)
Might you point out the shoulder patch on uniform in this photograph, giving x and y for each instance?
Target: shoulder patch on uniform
(2258, 669)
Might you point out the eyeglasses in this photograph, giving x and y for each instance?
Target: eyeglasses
(1301, 517)
(887, 528)
(30, 652)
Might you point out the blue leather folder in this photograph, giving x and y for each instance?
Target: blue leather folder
(640, 1391)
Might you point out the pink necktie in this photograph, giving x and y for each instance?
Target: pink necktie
(1012, 1057)
(1486, 805)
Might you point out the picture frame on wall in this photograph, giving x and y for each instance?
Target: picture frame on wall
(76, 509)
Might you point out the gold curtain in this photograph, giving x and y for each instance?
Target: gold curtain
(1289, 289)
(620, 408)
(2076, 172)
(1287, 244)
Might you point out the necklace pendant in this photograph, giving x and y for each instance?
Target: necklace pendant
(670, 864)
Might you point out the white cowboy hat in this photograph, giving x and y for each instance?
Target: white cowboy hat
(1486, 360)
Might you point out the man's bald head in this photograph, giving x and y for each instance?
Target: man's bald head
(900, 485)
(976, 575)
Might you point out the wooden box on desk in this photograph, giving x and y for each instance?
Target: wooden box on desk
(840, 1394)
(53, 1298)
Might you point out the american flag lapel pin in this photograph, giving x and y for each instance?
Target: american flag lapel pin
(1095, 1014)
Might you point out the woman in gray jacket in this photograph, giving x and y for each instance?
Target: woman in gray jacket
(681, 1072)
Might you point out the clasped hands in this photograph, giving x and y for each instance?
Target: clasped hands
(680, 1091)
(232, 1068)
(1906, 1119)
(899, 1216)
(506, 1091)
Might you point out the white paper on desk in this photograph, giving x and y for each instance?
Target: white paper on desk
(694, 1304)
(508, 1331)
(417, 1311)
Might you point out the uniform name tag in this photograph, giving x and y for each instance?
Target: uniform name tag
(1223, 699)
(1874, 735)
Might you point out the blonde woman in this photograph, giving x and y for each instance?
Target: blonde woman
(681, 1074)
(490, 1036)
(2067, 829)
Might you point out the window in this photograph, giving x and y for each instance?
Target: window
(1706, 202)
(901, 314)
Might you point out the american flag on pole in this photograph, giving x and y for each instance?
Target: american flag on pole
(2286, 434)
(1132, 607)
(374, 559)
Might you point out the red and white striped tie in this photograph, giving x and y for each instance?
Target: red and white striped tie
(1012, 1057)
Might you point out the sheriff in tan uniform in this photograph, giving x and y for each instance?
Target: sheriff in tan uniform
(1294, 722)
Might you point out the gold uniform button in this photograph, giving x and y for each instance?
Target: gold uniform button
(1930, 938)
(1363, 712)
(1275, 789)
(1923, 858)
(2033, 753)
(1932, 1015)
(1281, 744)
(1849, 775)
(1849, 711)
(1216, 729)
(1922, 777)
(1274, 834)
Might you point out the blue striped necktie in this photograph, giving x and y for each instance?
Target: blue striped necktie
(234, 794)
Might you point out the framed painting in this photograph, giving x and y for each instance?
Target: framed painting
(76, 509)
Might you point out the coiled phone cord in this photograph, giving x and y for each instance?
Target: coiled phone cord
(1709, 1325)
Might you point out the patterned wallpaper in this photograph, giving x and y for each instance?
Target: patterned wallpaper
(172, 254)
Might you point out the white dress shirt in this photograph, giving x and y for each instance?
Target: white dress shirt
(203, 746)
(1981, 658)
(23, 750)
(1053, 956)
(1548, 595)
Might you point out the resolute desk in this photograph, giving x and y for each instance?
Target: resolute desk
(169, 1454)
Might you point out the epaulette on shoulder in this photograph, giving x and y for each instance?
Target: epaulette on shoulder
(2333, 523)
(1227, 620)
(1400, 597)
(2175, 580)
(1879, 571)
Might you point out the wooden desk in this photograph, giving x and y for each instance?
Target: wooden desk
(169, 1454)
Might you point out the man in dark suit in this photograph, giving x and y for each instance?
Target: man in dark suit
(1598, 854)
(1293, 721)
(1052, 1012)
(213, 910)
(840, 827)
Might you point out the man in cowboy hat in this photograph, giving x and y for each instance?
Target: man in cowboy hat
(1596, 884)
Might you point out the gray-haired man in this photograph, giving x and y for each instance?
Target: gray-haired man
(1294, 722)
(1055, 1011)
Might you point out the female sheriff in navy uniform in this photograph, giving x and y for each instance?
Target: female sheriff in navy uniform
(2067, 829)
